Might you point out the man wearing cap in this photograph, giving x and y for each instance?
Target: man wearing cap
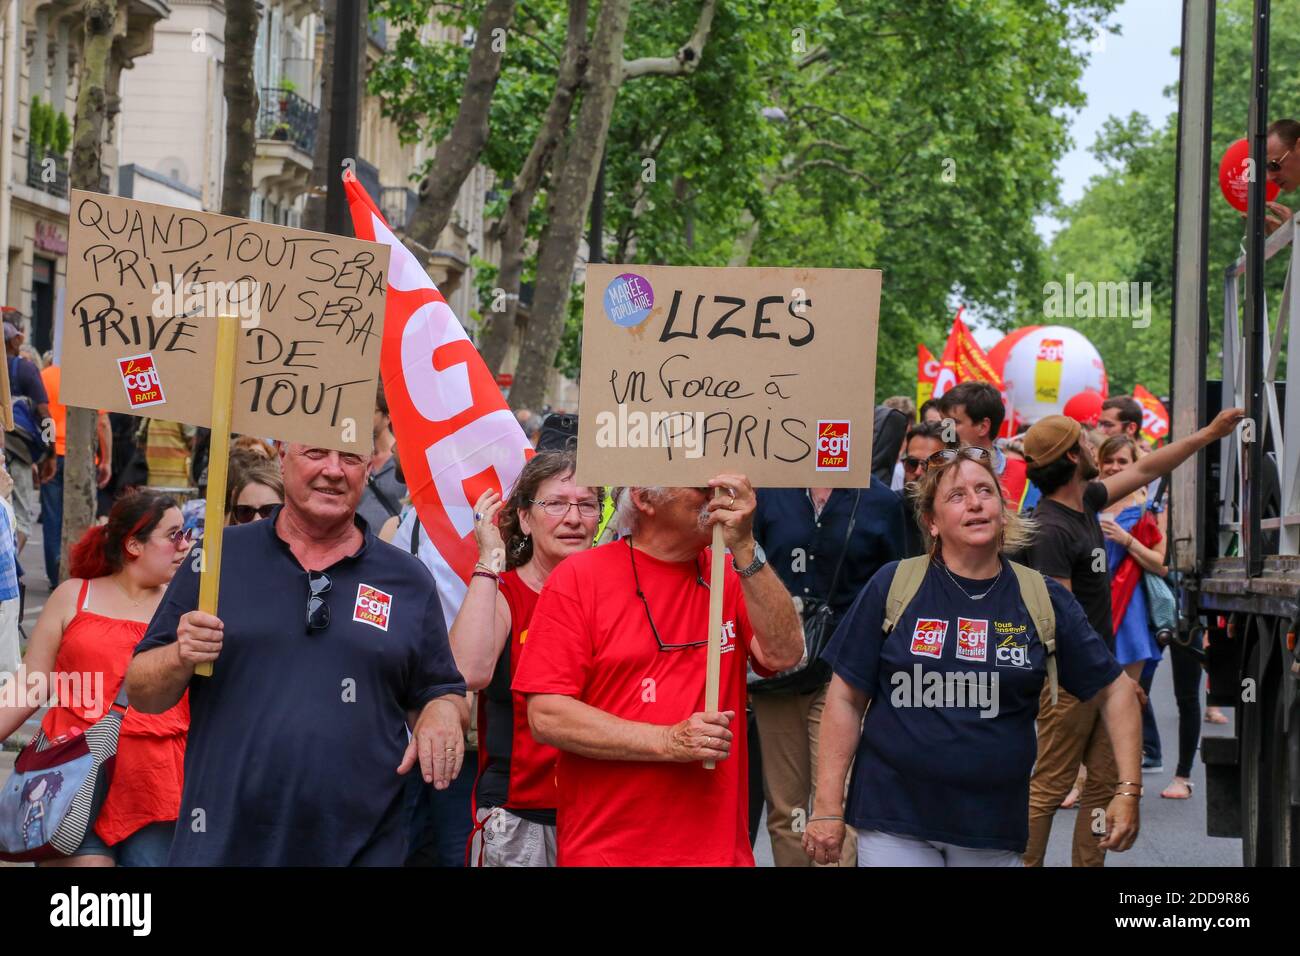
(1069, 547)
(26, 464)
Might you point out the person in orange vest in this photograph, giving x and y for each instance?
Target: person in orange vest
(52, 488)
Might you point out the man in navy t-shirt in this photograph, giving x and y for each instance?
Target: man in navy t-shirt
(328, 642)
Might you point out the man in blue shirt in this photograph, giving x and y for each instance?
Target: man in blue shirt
(329, 642)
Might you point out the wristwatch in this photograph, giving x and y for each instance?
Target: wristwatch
(760, 559)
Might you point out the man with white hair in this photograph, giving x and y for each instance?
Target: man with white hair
(329, 645)
(614, 674)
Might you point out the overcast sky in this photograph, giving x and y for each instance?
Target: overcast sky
(1125, 72)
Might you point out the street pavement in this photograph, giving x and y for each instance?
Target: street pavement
(1173, 831)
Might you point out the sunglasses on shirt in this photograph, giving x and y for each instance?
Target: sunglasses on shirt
(244, 514)
(318, 612)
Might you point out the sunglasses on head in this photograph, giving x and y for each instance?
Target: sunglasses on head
(245, 513)
(946, 456)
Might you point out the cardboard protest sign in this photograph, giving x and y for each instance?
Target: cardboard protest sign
(146, 283)
(688, 373)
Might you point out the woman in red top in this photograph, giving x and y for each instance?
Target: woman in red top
(82, 644)
(546, 519)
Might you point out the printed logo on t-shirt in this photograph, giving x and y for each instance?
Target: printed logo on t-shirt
(927, 638)
(728, 636)
(972, 639)
(1013, 651)
(373, 606)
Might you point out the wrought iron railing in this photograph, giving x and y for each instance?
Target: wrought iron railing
(48, 173)
(397, 203)
(286, 116)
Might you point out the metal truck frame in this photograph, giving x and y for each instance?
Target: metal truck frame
(1238, 557)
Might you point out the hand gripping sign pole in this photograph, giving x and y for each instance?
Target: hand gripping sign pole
(223, 394)
(713, 668)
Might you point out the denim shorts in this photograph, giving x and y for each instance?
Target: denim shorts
(147, 846)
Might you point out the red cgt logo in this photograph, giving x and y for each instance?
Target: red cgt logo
(140, 377)
(832, 446)
(373, 606)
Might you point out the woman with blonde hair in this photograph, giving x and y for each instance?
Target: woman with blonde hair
(953, 665)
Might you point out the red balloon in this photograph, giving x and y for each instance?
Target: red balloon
(1232, 176)
(1084, 408)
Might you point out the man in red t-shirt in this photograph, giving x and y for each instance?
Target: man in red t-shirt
(614, 670)
(977, 413)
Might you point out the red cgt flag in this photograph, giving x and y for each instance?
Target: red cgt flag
(927, 370)
(1155, 417)
(455, 434)
(964, 361)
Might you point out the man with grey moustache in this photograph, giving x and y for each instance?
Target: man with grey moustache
(613, 673)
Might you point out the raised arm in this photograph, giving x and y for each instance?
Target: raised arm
(482, 626)
(1164, 460)
(778, 633)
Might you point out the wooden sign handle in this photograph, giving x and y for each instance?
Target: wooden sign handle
(713, 670)
(223, 396)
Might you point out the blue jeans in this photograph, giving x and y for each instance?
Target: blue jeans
(440, 820)
(52, 523)
(147, 846)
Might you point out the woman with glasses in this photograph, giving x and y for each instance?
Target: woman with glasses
(90, 627)
(943, 759)
(254, 494)
(521, 540)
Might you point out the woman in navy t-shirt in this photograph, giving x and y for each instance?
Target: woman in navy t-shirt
(943, 759)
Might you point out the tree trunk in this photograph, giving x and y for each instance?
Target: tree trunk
(458, 153)
(313, 214)
(512, 231)
(571, 189)
(241, 107)
(100, 18)
(567, 205)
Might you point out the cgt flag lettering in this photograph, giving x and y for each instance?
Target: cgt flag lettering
(1155, 417)
(965, 361)
(456, 436)
(927, 372)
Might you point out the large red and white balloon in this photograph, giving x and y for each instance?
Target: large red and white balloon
(1044, 366)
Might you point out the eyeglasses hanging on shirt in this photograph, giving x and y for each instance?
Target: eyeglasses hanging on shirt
(699, 579)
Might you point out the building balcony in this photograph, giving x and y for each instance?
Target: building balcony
(286, 138)
(287, 117)
(48, 173)
(397, 203)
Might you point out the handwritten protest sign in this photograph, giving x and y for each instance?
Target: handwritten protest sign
(146, 283)
(692, 372)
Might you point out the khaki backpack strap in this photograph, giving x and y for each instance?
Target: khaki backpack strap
(1033, 591)
(907, 581)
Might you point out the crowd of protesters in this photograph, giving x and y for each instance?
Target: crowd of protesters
(559, 717)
